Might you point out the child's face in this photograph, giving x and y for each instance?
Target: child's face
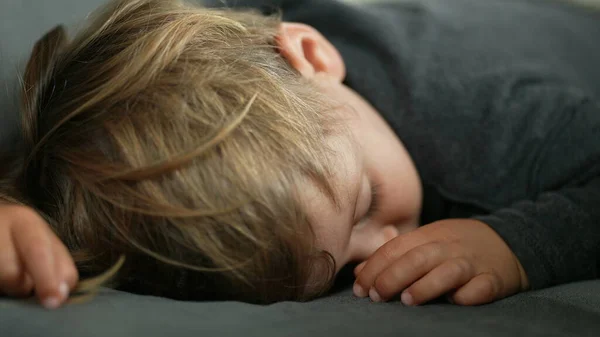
(379, 187)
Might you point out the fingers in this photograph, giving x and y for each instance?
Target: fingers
(482, 289)
(462, 258)
(64, 264)
(13, 279)
(406, 270)
(385, 256)
(33, 242)
(446, 277)
(33, 257)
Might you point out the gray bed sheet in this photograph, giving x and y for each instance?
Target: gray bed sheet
(569, 310)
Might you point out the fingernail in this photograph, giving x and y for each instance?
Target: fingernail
(359, 291)
(407, 299)
(64, 290)
(374, 295)
(51, 303)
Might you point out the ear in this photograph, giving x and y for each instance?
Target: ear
(309, 52)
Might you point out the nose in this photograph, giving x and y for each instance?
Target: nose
(368, 239)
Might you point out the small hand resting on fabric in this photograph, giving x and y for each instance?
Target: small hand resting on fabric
(462, 258)
(32, 257)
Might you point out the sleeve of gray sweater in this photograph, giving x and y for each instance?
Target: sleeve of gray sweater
(556, 236)
(556, 233)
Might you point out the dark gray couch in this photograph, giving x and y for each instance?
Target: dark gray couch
(570, 310)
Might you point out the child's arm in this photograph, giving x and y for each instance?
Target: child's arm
(557, 236)
(32, 257)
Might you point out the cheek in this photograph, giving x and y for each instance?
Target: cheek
(367, 240)
(391, 167)
(327, 225)
(399, 190)
(338, 244)
(333, 240)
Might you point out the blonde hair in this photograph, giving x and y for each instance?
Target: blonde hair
(177, 136)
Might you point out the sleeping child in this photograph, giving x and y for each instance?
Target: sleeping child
(449, 148)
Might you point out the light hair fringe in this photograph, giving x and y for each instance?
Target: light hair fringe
(176, 136)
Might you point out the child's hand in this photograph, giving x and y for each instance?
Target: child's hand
(33, 257)
(463, 258)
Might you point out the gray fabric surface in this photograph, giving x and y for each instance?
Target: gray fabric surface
(570, 310)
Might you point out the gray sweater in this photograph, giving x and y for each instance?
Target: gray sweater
(497, 102)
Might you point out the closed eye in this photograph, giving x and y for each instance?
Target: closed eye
(375, 199)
